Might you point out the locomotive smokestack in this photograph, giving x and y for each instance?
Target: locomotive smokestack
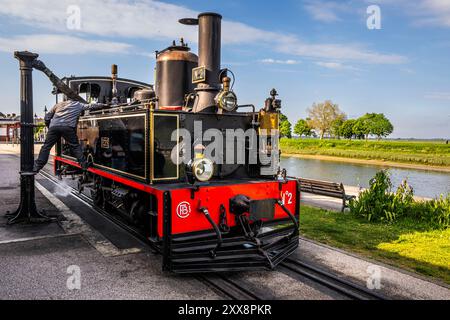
(209, 44)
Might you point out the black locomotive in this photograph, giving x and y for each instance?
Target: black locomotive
(184, 164)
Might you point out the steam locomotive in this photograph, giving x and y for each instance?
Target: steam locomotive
(156, 160)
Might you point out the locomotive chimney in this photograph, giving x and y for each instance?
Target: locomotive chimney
(207, 74)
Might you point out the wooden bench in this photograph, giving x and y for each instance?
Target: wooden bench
(325, 188)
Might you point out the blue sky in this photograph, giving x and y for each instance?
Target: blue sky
(309, 50)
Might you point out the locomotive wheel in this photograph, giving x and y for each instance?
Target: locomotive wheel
(97, 194)
(80, 187)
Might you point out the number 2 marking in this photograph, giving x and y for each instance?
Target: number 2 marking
(287, 195)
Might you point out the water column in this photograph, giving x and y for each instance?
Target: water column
(27, 211)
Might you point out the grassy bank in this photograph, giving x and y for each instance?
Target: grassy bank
(405, 244)
(413, 152)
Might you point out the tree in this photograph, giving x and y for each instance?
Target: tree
(346, 129)
(373, 124)
(336, 126)
(323, 115)
(302, 128)
(285, 127)
(360, 129)
(381, 126)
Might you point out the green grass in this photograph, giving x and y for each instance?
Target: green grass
(405, 244)
(435, 153)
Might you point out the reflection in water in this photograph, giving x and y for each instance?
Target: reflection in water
(425, 183)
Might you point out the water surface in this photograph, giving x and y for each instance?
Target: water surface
(425, 183)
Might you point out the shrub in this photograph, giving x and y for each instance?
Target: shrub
(379, 203)
(436, 212)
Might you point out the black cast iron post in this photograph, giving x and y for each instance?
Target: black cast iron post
(27, 211)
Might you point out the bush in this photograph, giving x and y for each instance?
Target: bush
(379, 203)
(436, 212)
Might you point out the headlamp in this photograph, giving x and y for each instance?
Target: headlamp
(227, 100)
(203, 169)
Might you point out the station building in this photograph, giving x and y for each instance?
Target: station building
(9, 127)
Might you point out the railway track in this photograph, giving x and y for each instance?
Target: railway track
(231, 289)
(329, 280)
(238, 290)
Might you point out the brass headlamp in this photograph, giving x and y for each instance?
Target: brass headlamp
(226, 99)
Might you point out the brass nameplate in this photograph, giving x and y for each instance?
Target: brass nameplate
(199, 75)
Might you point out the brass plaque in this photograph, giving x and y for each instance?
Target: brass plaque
(105, 142)
(199, 75)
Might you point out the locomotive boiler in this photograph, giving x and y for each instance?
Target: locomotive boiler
(184, 164)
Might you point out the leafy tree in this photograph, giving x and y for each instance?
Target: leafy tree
(336, 126)
(285, 127)
(372, 124)
(302, 128)
(322, 116)
(346, 129)
(283, 117)
(360, 129)
(381, 126)
(363, 126)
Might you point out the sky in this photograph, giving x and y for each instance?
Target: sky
(310, 51)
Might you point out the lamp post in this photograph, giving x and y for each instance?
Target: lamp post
(27, 211)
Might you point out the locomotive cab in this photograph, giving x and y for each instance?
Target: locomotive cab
(183, 164)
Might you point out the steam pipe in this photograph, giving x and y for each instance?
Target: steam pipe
(57, 82)
(205, 211)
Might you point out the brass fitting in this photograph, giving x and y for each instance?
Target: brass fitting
(226, 81)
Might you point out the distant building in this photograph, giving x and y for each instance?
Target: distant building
(9, 127)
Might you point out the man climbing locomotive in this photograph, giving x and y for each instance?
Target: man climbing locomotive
(62, 121)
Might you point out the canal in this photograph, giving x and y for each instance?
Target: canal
(425, 183)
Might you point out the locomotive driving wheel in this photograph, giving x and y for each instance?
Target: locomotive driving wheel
(97, 194)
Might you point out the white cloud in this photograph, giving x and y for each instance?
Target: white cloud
(425, 12)
(121, 18)
(325, 11)
(60, 44)
(275, 61)
(438, 96)
(330, 65)
(335, 65)
(436, 12)
(340, 52)
(139, 19)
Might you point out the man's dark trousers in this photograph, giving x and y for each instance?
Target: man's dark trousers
(53, 136)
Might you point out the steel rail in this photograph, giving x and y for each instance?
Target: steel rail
(330, 280)
(229, 288)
